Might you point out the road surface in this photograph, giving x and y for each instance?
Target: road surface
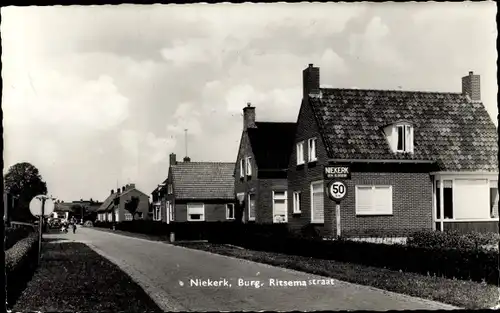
(181, 279)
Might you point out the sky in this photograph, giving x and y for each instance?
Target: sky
(98, 96)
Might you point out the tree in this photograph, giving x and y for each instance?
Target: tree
(131, 206)
(24, 181)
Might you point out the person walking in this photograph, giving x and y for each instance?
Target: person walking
(74, 225)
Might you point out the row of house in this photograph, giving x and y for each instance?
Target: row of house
(126, 204)
(417, 160)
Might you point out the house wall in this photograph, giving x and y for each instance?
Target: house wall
(143, 205)
(265, 198)
(215, 210)
(466, 227)
(246, 184)
(412, 192)
(300, 177)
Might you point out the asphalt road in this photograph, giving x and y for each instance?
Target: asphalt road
(178, 279)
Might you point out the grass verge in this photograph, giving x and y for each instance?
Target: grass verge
(72, 277)
(464, 294)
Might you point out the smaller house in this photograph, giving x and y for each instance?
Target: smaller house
(196, 192)
(118, 205)
(260, 174)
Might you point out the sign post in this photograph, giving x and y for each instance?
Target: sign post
(41, 206)
(337, 189)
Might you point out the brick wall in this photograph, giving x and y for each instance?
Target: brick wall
(246, 184)
(214, 210)
(265, 198)
(300, 177)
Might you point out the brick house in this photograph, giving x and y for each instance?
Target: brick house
(401, 146)
(260, 173)
(113, 209)
(195, 191)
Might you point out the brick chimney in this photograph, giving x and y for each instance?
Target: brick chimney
(310, 81)
(112, 191)
(131, 186)
(173, 159)
(248, 117)
(187, 159)
(471, 86)
(118, 190)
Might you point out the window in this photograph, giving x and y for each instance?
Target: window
(493, 198)
(471, 199)
(404, 137)
(311, 150)
(157, 213)
(170, 189)
(195, 212)
(279, 207)
(447, 199)
(317, 202)
(171, 211)
(251, 207)
(373, 200)
(230, 211)
(296, 202)
(249, 166)
(300, 153)
(242, 168)
(128, 216)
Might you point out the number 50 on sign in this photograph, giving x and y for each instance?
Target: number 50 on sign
(337, 190)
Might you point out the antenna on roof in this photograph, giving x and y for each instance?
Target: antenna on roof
(186, 140)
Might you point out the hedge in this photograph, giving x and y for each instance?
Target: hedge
(453, 239)
(14, 234)
(430, 253)
(21, 260)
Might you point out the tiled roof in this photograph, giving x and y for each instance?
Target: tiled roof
(203, 180)
(272, 144)
(459, 135)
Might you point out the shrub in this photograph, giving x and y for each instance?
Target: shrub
(453, 240)
(14, 234)
(21, 261)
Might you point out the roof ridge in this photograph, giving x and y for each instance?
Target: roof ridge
(397, 90)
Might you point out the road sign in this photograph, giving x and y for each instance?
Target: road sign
(337, 190)
(337, 172)
(40, 201)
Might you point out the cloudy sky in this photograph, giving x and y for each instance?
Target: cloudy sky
(99, 96)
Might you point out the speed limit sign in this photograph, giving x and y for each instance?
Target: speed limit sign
(337, 190)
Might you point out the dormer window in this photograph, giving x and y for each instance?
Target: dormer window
(400, 137)
(404, 138)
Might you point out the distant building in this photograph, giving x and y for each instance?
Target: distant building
(113, 209)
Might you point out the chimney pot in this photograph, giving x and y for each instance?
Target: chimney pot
(311, 65)
(112, 191)
(471, 73)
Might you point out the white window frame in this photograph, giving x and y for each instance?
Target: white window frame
(408, 137)
(440, 177)
(249, 166)
(128, 216)
(374, 213)
(300, 153)
(312, 202)
(250, 218)
(242, 167)
(286, 205)
(170, 189)
(296, 202)
(171, 211)
(228, 205)
(157, 212)
(311, 150)
(202, 219)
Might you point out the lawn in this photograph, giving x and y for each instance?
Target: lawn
(464, 294)
(72, 277)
